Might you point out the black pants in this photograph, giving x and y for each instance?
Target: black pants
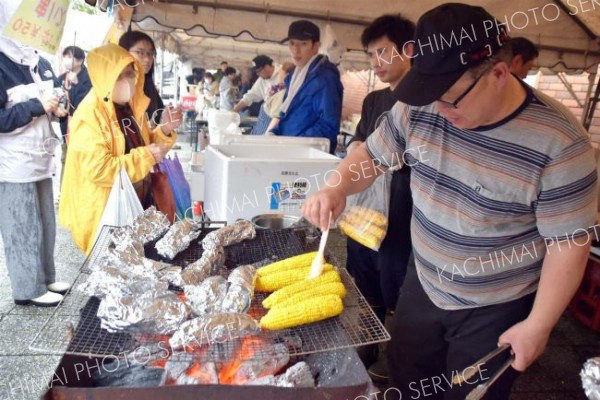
(430, 345)
(379, 275)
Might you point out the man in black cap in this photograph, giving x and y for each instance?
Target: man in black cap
(504, 185)
(312, 106)
(268, 76)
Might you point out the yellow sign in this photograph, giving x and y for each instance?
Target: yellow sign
(120, 24)
(39, 24)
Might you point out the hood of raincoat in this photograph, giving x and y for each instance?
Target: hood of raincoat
(105, 64)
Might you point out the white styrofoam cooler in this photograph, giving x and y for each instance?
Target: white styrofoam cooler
(243, 181)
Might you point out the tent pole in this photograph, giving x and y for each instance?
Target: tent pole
(591, 102)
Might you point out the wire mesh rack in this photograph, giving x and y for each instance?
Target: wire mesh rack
(73, 328)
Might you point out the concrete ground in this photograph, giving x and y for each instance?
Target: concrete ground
(24, 373)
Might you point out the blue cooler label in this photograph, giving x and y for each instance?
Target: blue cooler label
(275, 187)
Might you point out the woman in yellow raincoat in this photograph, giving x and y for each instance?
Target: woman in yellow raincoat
(108, 130)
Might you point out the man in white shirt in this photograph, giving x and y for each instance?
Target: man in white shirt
(268, 76)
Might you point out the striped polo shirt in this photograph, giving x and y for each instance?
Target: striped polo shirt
(489, 203)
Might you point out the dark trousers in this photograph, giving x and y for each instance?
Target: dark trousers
(429, 346)
(379, 275)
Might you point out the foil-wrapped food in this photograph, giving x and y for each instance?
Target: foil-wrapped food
(150, 225)
(590, 378)
(126, 240)
(241, 289)
(232, 234)
(177, 239)
(118, 282)
(207, 265)
(207, 297)
(128, 261)
(153, 313)
(214, 328)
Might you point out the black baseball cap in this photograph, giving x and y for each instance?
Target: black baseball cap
(449, 39)
(261, 61)
(303, 30)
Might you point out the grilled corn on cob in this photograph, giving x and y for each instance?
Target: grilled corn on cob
(336, 288)
(307, 311)
(370, 215)
(274, 281)
(299, 261)
(283, 293)
(365, 238)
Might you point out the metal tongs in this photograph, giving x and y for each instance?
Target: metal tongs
(481, 389)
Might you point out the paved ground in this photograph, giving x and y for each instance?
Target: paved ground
(24, 374)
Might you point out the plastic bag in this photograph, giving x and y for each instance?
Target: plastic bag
(179, 185)
(365, 219)
(123, 204)
(331, 47)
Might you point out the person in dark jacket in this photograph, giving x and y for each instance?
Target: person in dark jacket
(379, 274)
(76, 81)
(77, 84)
(141, 46)
(312, 105)
(27, 142)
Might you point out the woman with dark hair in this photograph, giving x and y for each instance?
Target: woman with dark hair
(141, 46)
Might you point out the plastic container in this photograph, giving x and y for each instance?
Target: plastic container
(243, 181)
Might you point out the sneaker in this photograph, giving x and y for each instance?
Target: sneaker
(59, 287)
(379, 370)
(49, 299)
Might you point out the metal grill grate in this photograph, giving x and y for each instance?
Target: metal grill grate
(74, 328)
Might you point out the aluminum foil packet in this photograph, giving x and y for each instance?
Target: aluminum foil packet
(207, 297)
(112, 281)
(136, 265)
(232, 234)
(152, 313)
(241, 289)
(177, 239)
(150, 225)
(207, 265)
(126, 240)
(214, 328)
(590, 378)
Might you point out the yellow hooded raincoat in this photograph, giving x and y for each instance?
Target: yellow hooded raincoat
(97, 146)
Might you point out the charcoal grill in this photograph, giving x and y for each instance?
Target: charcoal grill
(74, 329)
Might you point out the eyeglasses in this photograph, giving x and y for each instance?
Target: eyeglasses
(143, 53)
(454, 104)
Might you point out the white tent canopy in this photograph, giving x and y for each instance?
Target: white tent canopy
(206, 32)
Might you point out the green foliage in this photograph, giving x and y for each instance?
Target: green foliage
(80, 5)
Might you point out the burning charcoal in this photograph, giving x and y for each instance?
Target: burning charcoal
(149, 353)
(590, 378)
(199, 374)
(201, 269)
(115, 282)
(207, 298)
(125, 239)
(177, 239)
(150, 313)
(150, 225)
(229, 235)
(298, 375)
(213, 328)
(256, 358)
(174, 369)
(241, 291)
(119, 373)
